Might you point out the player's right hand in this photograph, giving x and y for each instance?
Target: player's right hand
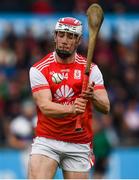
(79, 105)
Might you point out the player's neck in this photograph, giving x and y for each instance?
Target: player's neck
(68, 60)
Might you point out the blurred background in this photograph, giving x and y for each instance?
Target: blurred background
(26, 35)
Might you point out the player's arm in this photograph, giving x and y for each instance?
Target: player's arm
(43, 98)
(96, 91)
(100, 99)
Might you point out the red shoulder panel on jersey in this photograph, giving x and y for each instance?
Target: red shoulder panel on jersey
(82, 60)
(44, 61)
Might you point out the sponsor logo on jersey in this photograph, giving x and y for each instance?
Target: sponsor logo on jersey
(64, 92)
(77, 74)
(67, 103)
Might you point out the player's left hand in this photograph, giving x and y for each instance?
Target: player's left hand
(88, 94)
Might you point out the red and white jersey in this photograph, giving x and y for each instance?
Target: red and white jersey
(64, 93)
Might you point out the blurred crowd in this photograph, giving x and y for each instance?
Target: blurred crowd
(78, 6)
(17, 54)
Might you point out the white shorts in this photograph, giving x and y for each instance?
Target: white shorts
(70, 156)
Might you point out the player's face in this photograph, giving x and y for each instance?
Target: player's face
(66, 42)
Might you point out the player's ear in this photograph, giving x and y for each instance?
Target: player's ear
(79, 39)
(55, 34)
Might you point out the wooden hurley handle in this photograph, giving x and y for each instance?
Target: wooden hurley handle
(95, 19)
(80, 118)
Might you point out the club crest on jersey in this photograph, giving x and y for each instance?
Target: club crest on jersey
(77, 74)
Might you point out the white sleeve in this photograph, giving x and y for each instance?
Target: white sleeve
(37, 80)
(96, 76)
